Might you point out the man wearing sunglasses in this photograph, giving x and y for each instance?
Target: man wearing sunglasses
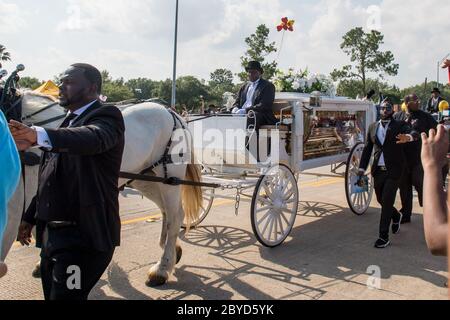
(385, 139)
(413, 175)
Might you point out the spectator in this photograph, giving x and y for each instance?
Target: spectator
(434, 158)
(10, 174)
(420, 122)
(435, 100)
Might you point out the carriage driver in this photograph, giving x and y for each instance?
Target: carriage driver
(385, 138)
(258, 96)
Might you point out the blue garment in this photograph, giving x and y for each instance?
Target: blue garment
(9, 171)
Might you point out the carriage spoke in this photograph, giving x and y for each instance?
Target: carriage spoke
(267, 215)
(280, 222)
(275, 221)
(284, 218)
(272, 221)
(269, 220)
(269, 193)
(264, 209)
(264, 201)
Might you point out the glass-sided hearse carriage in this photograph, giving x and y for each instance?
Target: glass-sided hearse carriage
(313, 131)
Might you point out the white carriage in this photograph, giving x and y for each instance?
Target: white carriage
(312, 132)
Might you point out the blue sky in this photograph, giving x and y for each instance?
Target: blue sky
(133, 38)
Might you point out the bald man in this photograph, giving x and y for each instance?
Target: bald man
(421, 122)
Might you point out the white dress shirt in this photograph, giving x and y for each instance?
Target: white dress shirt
(249, 101)
(381, 134)
(43, 140)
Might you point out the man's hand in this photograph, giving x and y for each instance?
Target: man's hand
(435, 148)
(24, 234)
(404, 138)
(24, 136)
(446, 64)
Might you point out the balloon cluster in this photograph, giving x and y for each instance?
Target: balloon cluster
(286, 25)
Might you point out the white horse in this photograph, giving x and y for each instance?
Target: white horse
(148, 129)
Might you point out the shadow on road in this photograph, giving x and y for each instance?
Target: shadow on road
(329, 241)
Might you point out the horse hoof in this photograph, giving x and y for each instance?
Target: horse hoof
(155, 281)
(179, 254)
(37, 272)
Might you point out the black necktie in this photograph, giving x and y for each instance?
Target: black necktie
(67, 120)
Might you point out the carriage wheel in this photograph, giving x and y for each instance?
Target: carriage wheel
(208, 199)
(359, 202)
(274, 206)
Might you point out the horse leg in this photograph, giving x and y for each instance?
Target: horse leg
(151, 192)
(159, 274)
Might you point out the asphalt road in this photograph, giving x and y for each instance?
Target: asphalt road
(329, 255)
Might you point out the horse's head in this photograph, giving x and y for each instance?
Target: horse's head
(41, 110)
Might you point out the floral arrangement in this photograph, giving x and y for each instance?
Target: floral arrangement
(300, 81)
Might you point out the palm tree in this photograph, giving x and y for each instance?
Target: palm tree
(4, 55)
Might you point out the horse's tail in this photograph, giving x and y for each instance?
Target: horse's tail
(192, 195)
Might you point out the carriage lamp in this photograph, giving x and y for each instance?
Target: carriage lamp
(315, 99)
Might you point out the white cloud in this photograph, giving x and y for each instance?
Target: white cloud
(12, 19)
(135, 37)
(413, 31)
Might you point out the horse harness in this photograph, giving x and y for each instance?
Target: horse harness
(165, 160)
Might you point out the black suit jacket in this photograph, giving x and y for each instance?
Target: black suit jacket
(394, 156)
(420, 122)
(262, 100)
(431, 108)
(78, 180)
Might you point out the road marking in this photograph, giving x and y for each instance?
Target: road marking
(157, 215)
(315, 184)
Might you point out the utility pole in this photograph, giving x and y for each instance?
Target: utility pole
(174, 78)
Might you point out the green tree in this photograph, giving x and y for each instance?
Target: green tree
(142, 88)
(221, 81)
(30, 83)
(4, 55)
(190, 92)
(258, 50)
(115, 90)
(366, 57)
(164, 90)
(221, 77)
(352, 88)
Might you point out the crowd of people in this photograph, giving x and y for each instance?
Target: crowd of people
(76, 209)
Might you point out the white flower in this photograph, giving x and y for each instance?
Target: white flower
(296, 85)
(302, 83)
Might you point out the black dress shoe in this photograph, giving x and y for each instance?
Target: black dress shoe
(382, 243)
(396, 228)
(396, 222)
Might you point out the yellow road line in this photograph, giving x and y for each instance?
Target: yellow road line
(157, 214)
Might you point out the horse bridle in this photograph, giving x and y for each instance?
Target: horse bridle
(48, 121)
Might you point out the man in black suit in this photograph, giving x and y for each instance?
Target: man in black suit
(413, 175)
(76, 209)
(385, 139)
(258, 96)
(435, 100)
